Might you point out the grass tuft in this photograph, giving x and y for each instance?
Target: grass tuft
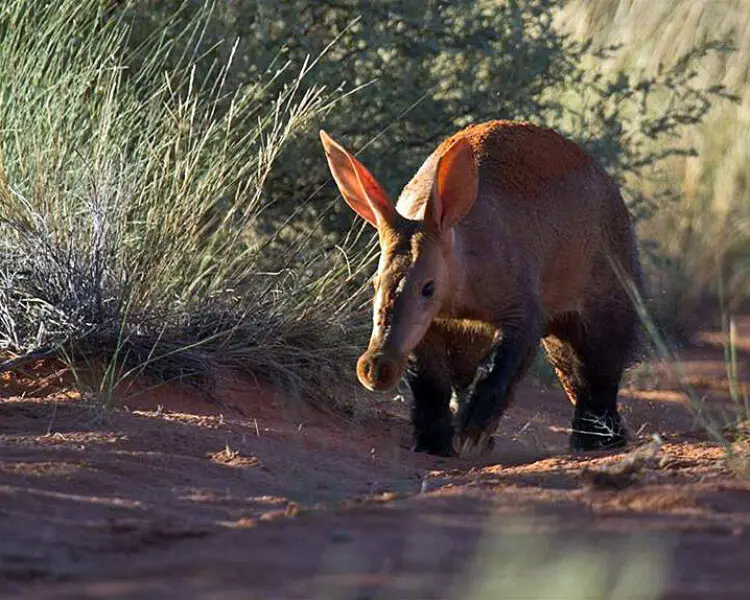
(129, 199)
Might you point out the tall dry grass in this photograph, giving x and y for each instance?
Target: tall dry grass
(704, 234)
(130, 189)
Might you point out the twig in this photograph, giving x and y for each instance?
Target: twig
(36, 354)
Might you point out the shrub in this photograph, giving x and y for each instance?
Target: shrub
(128, 202)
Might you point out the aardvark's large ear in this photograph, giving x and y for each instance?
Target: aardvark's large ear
(358, 187)
(455, 187)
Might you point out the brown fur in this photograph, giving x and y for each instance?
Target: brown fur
(544, 209)
(522, 157)
(530, 258)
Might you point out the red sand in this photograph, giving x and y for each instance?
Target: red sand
(257, 497)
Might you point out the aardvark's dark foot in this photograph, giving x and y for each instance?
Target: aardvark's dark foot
(437, 441)
(597, 432)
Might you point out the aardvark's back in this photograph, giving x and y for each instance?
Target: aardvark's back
(543, 206)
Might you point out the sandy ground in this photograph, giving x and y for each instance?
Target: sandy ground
(174, 495)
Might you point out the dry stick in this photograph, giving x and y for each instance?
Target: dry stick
(36, 354)
(45, 382)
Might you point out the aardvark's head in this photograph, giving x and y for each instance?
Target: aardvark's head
(413, 278)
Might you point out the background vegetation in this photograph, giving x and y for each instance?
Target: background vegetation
(704, 233)
(165, 205)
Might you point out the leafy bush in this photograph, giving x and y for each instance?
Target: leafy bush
(424, 69)
(421, 70)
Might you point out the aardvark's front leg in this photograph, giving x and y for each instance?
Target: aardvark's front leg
(490, 396)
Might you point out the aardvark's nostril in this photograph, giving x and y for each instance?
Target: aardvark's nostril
(377, 372)
(383, 370)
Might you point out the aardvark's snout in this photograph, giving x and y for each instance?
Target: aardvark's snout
(379, 372)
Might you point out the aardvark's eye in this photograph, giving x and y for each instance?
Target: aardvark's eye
(428, 289)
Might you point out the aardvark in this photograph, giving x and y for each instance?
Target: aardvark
(508, 235)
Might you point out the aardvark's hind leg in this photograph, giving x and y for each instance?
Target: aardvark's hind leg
(589, 359)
